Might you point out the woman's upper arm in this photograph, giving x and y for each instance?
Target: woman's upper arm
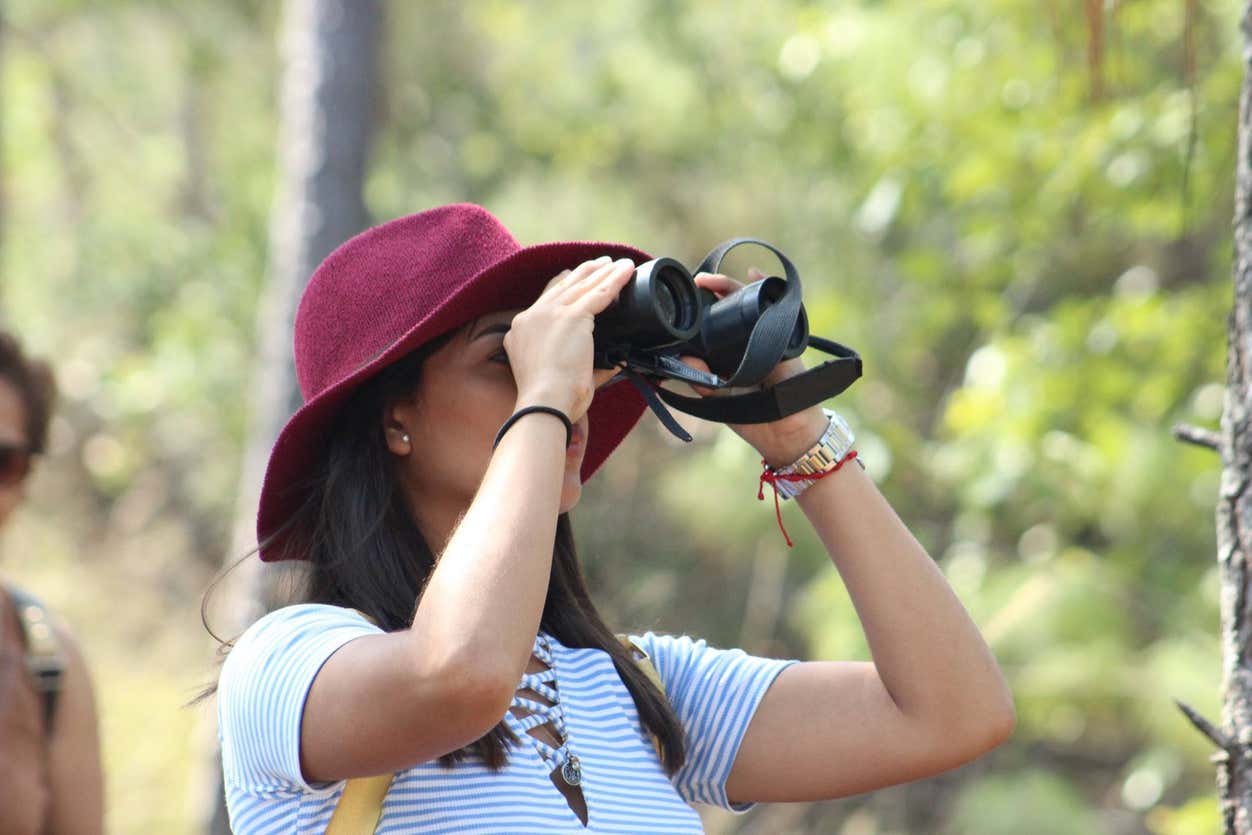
(314, 694)
(830, 729)
(375, 708)
(74, 751)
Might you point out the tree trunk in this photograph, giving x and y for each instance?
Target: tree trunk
(329, 78)
(1234, 508)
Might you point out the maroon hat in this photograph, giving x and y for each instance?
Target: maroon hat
(391, 289)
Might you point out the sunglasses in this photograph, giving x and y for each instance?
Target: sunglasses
(14, 463)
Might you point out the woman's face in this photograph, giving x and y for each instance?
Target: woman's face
(12, 433)
(466, 393)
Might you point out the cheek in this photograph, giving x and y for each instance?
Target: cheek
(457, 425)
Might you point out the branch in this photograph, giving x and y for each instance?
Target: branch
(1205, 727)
(1195, 435)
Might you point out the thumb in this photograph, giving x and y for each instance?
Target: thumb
(697, 363)
(600, 376)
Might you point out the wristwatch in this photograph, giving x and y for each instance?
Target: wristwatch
(824, 455)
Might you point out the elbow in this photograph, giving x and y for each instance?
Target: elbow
(987, 725)
(473, 698)
(998, 725)
(962, 734)
(1000, 717)
(481, 696)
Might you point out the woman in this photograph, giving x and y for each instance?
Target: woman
(452, 415)
(50, 778)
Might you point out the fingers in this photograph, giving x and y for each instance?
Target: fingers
(567, 278)
(600, 376)
(697, 363)
(598, 290)
(720, 285)
(555, 280)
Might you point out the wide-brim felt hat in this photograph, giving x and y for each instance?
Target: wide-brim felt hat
(388, 291)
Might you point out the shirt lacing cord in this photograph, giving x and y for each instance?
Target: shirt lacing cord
(559, 757)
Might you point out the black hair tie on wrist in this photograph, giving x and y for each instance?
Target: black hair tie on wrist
(569, 426)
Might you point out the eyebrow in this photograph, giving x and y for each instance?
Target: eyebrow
(498, 327)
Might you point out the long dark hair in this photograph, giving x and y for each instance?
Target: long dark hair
(34, 383)
(365, 552)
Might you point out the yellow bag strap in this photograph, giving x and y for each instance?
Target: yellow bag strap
(644, 661)
(361, 805)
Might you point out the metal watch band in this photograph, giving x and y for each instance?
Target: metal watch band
(824, 455)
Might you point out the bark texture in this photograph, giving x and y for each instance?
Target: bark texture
(329, 80)
(1234, 509)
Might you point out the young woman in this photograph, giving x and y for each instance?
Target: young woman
(447, 636)
(50, 778)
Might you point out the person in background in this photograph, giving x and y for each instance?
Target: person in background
(50, 776)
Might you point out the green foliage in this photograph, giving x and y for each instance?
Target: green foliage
(1037, 277)
(1034, 803)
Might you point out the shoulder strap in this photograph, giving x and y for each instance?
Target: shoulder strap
(360, 806)
(44, 660)
(644, 662)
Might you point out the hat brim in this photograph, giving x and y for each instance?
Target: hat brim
(514, 281)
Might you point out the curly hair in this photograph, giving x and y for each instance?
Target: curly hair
(35, 385)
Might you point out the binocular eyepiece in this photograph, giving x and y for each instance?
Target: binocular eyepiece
(660, 310)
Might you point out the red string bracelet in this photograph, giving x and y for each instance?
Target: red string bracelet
(770, 477)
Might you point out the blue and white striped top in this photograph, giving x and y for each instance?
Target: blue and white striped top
(715, 693)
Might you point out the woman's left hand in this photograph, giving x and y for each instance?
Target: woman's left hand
(782, 441)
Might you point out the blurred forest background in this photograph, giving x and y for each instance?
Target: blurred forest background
(1019, 214)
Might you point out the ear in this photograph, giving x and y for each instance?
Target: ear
(396, 421)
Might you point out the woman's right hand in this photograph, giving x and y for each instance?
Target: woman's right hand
(550, 343)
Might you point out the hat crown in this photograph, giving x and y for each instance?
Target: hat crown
(377, 286)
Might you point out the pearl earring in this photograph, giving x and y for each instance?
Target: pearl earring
(404, 438)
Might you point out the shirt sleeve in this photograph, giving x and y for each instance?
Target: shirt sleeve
(715, 693)
(262, 689)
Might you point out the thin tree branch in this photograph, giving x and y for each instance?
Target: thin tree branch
(1204, 726)
(1195, 435)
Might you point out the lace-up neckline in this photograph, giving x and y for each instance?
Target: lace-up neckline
(560, 759)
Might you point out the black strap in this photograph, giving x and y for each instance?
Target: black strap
(43, 652)
(773, 329)
(649, 391)
(569, 426)
(786, 398)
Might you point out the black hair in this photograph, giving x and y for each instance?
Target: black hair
(34, 383)
(364, 551)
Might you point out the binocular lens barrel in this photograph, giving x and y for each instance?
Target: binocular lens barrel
(661, 307)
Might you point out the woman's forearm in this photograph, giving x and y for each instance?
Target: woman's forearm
(929, 654)
(484, 600)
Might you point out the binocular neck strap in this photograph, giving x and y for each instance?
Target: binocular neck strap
(649, 393)
(786, 398)
(769, 338)
(778, 401)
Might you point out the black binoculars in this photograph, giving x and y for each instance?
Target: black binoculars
(662, 311)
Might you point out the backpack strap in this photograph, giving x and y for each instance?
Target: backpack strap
(44, 660)
(360, 806)
(644, 661)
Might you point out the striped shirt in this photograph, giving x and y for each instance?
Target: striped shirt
(714, 692)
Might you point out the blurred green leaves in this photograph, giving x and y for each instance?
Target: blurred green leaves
(1036, 276)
